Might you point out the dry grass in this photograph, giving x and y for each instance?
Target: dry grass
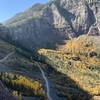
(75, 60)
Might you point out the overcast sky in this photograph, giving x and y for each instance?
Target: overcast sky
(8, 8)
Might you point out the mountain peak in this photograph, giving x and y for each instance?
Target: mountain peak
(37, 6)
(54, 22)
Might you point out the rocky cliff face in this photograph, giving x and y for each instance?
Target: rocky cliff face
(50, 24)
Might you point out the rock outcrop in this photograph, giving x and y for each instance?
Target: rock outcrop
(46, 26)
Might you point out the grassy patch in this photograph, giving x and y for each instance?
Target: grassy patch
(22, 85)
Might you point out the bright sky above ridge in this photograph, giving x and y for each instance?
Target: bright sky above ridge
(9, 8)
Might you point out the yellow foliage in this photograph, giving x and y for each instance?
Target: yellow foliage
(35, 85)
(74, 60)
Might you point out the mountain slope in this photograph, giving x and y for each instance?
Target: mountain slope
(18, 69)
(33, 12)
(51, 24)
(73, 67)
(80, 60)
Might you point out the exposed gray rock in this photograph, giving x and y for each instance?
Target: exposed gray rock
(54, 22)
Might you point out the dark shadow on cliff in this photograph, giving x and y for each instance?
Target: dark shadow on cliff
(46, 45)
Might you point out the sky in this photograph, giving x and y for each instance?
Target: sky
(9, 8)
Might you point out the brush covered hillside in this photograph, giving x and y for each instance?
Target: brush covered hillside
(72, 71)
(20, 78)
(80, 60)
(52, 52)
